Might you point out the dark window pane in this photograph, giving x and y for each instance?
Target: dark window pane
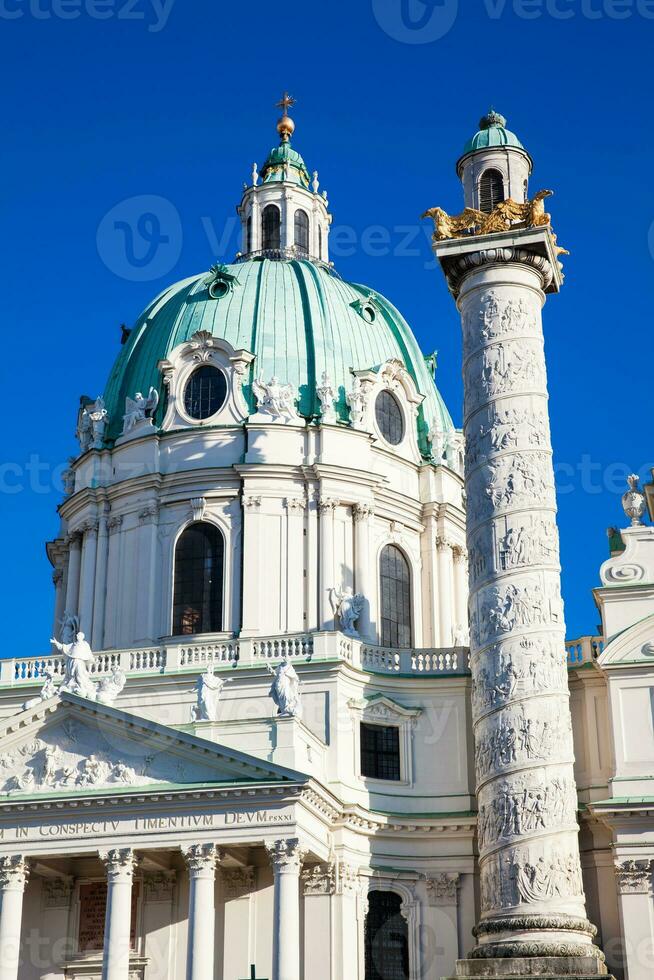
(302, 231)
(270, 224)
(248, 235)
(395, 595)
(491, 190)
(205, 392)
(387, 941)
(380, 751)
(198, 595)
(389, 418)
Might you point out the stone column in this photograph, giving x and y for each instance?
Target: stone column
(286, 859)
(13, 878)
(460, 592)
(252, 565)
(295, 620)
(74, 542)
(100, 591)
(60, 598)
(118, 920)
(532, 900)
(201, 863)
(148, 565)
(440, 926)
(112, 608)
(87, 577)
(238, 891)
(364, 568)
(445, 592)
(634, 883)
(327, 507)
(318, 889)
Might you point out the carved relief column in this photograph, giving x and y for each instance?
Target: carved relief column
(445, 592)
(286, 859)
(120, 873)
(74, 541)
(112, 610)
(87, 576)
(100, 592)
(532, 900)
(327, 506)
(634, 884)
(13, 878)
(252, 540)
(201, 863)
(295, 507)
(364, 570)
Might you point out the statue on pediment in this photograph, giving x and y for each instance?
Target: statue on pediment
(285, 690)
(78, 656)
(48, 690)
(209, 687)
(109, 688)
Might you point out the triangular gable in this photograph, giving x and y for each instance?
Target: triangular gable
(633, 646)
(69, 745)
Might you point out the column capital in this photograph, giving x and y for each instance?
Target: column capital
(251, 502)
(634, 877)
(285, 855)
(327, 505)
(443, 889)
(295, 504)
(443, 543)
(362, 512)
(149, 514)
(14, 872)
(119, 863)
(115, 523)
(238, 882)
(201, 859)
(319, 880)
(158, 886)
(74, 538)
(89, 528)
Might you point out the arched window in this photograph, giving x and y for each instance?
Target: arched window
(302, 231)
(395, 595)
(198, 594)
(248, 235)
(270, 226)
(491, 190)
(387, 939)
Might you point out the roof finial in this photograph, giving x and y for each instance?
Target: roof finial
(492, 118)
(285, 126)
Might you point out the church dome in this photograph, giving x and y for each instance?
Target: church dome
(298, 317)
(492, 132)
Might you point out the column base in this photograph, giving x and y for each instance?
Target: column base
(590, 967)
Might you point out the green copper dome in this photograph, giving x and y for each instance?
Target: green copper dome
(285, 163)
(298, 318)
(492, 132)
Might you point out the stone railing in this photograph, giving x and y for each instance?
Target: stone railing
(585, 650)
(173, 656)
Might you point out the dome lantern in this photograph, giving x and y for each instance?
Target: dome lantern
(283, 216)
(494, 165)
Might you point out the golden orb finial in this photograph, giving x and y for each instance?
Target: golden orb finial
(285, 126)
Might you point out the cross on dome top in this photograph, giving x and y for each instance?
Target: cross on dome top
(285, 126)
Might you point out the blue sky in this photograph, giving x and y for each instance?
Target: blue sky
(109, 100)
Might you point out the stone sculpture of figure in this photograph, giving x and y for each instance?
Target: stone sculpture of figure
(275, 399)
(68, 627)
(78, 656)
(48, 690)
(68, 477)
(454, 451)
(327, 396)
(99, 417)
(438, 440)
(348, 606)
(110, 687)
(94, 771)
(139, 408)
(461, 636)
(84, 430)
(357, 400)
(285, 690)
(51, 764)
(209, 687)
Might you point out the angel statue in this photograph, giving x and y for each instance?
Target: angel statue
(109, 688)
(275, 399)
(139, 408)
(209, 688)
(77, 655)
(348, 606)
(48, 690)
(285, 690)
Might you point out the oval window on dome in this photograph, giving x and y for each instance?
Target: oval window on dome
(389, 418)
(368, 313)
(205, 392)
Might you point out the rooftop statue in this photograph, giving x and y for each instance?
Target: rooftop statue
(209, 687)
(77, 655)
(506, 215)
(275, 399)
(139, 408)
(348, 606)
(285, 690)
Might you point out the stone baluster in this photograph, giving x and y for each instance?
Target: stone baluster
(286, 859)
(13, 878)
(119, 864)
(201, 862)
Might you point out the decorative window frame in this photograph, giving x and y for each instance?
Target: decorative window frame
(219, 521)
(392, 376)
(384, 711)
(410, 910)
(203, 348)
(395, 534)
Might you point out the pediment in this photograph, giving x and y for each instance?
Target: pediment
(68, 746)
(382, 708)
(633, 647)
